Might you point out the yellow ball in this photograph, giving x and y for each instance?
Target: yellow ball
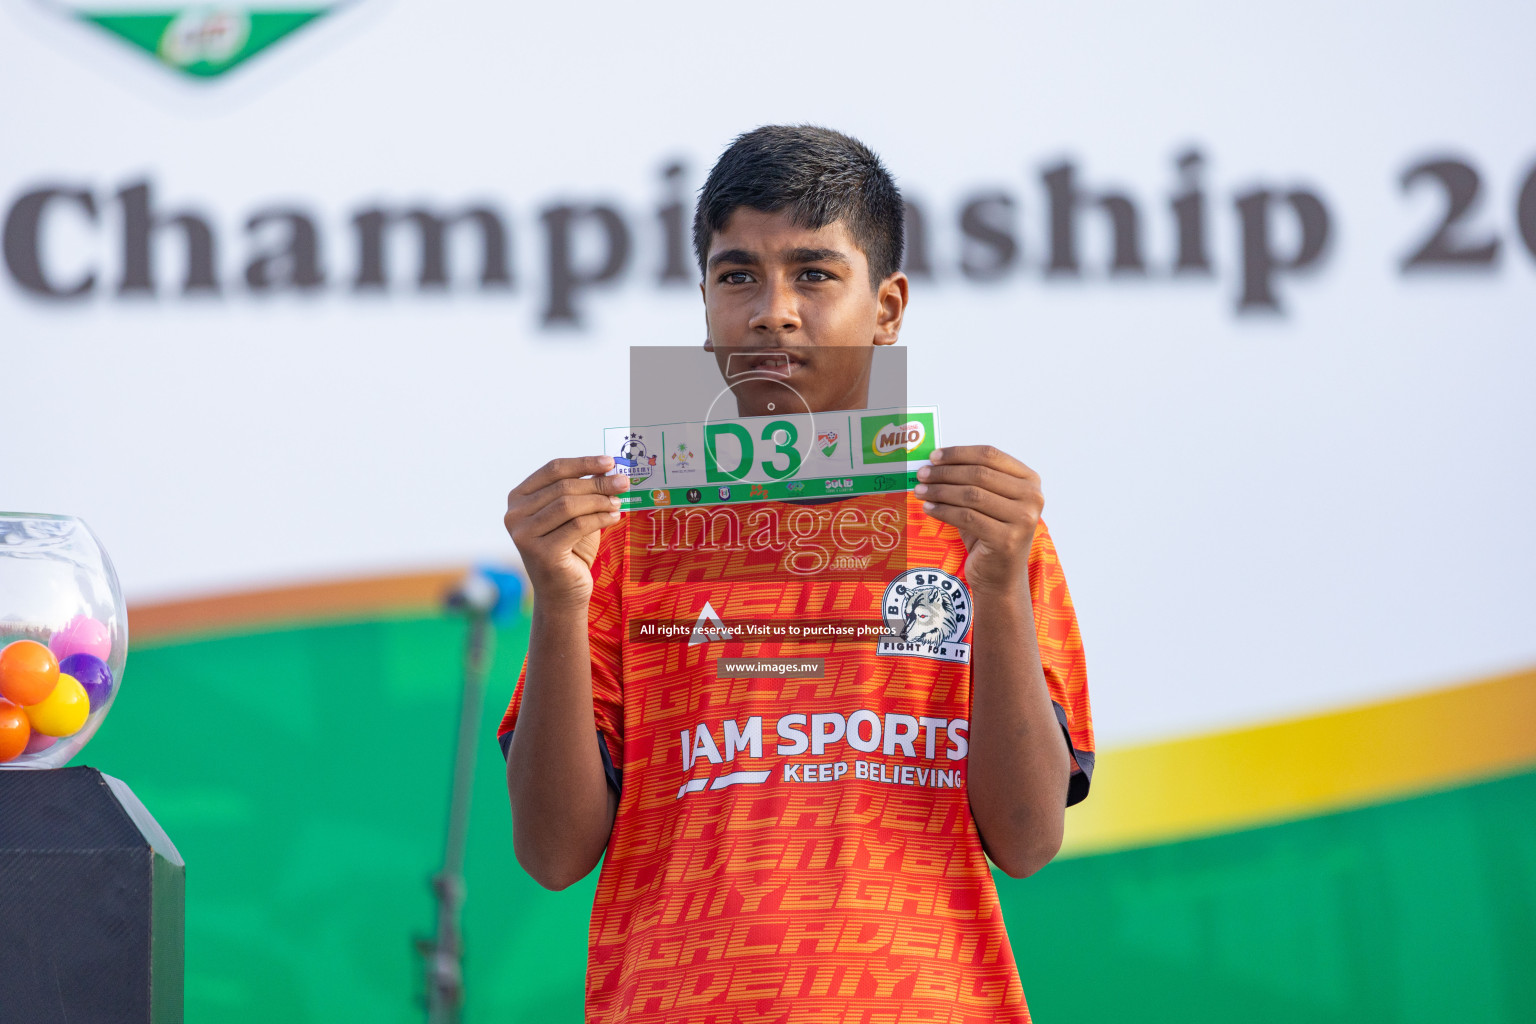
(63, 711)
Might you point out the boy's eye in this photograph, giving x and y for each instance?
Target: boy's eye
(735, 277)
(817, 275)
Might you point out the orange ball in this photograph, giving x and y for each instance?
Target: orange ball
(28, 672)
(15, 730)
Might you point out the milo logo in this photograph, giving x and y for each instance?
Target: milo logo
(903, 437)
(893, 440)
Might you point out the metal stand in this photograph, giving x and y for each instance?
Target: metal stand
(444, 954)
(485, 597)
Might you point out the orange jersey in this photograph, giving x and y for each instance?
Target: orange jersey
(799, 846)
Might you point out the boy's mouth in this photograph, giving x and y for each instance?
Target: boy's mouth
(774, 363)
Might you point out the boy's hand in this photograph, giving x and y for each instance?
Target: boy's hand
(555, 517)
(994, 500)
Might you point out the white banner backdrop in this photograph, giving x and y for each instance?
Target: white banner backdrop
(1163, 256)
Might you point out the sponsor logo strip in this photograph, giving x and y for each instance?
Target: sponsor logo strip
(797, 490)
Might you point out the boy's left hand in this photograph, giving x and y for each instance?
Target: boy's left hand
(994, 500)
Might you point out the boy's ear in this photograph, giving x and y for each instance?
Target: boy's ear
(891, 302)
(709, 346)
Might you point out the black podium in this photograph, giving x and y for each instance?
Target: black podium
(92, 903)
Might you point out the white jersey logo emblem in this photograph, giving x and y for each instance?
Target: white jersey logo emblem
(708, 627)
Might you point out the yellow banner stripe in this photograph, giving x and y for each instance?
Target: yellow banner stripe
(1163, 792)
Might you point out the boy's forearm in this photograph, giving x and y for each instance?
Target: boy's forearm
(562, 805)
(1018, 770)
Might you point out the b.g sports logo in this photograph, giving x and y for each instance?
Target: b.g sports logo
(927, 615)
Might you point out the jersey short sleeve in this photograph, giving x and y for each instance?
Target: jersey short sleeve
(1061, 655)
(604, 633)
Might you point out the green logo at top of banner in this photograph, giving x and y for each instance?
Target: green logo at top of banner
(905, 437)
(204, 40)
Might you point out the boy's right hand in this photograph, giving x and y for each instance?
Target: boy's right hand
(554, 517)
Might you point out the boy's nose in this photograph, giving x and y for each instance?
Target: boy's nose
(778, 314)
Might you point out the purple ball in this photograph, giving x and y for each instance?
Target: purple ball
(39, 742)
(92, 673)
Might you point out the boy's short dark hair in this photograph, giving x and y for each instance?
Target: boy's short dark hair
(818, 176)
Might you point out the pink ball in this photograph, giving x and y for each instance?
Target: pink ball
(39, 742)
(81, 635)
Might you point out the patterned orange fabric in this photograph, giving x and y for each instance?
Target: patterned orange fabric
(801, 849)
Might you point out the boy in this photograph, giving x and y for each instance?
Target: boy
(798, 849)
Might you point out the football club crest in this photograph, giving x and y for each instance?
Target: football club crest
(826, 442)
(927, 614)
(199, 40)
(633, 459)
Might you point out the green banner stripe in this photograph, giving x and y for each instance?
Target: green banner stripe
(795, 490)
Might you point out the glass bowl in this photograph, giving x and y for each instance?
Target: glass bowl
(63, 638)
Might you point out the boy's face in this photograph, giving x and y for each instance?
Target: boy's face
(793, 308)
